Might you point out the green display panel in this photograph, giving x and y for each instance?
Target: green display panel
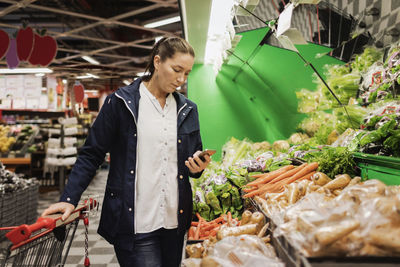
(253, 94)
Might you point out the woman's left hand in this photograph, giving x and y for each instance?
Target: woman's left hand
(195, 164)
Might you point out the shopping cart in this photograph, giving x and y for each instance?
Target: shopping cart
(46, 242)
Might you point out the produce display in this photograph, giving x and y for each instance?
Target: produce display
(339, 218)
(368, 88)
(11, 182)
(274, 182)
(6, 141)
(16, 139)
(237, 243)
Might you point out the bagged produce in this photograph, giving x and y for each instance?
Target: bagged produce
(363, 219)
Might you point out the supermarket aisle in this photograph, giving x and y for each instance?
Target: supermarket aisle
(101, 254)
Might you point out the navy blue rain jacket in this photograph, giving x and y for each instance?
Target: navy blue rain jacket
(114, 131)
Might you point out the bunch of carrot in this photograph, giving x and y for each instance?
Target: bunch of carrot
(202, 229)
(274, 182)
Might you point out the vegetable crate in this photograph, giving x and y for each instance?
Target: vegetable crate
(383, 168)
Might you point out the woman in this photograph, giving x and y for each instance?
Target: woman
(152, 134)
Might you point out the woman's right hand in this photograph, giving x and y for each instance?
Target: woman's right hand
(64, 207)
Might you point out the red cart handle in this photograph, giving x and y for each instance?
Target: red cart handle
(20, 235)
(24, 231)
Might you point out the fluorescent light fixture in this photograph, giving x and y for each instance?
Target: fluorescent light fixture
(91, 60)
(91, 91)
(87, 76)
(158, 38)
(39, 74)
(162, 22)
(140, 74)
(25, 70)
(126, 82)
(64, 81)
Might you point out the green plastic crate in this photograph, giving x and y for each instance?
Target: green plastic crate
(385, 169)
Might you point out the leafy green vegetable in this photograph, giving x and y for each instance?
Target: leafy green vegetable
(212, 201)
(362, 62)
(226, 202)
(236, 200)
(333, 161)
(370, 137)
(201, 205)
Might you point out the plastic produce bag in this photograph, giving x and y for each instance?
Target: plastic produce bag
(245, 250)
(236, 199)
(364, 219)
(213, 201)
(201, 205)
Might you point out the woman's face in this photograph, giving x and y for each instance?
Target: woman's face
(173, 72)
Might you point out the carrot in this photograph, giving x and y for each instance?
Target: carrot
(309, 168)
(210, 227)
(213, 232)
(199, 217)
(197, 233)
(306, 176)
(289, 173)
(191, 232)
(258, 175)
(195, 223)
(218, 220)
(268, 177)
(248, 190)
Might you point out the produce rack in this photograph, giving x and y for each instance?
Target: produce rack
(19, 207)
(386, 169)
(292, 257)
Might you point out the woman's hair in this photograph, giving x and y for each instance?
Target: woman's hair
(166, 48)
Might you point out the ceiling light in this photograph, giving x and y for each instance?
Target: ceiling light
(158, 38)
(64, 81)
(91, 60)
(83, 77)
(140, 74)
(162, 22)
(39, 74)
(25, 70)
(126, 82)
(92, 75)
(87, 76)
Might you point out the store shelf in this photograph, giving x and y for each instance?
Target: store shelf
(385, 169)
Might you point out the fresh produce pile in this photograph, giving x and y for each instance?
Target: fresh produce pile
(16, 139)
(11, 182)
(378, 134)
(340, 217)
(218, 190)
(6, 141)
(377, 90)
(236, 243)
(274, 182)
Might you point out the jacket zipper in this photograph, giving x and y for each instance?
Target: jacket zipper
(182, 108)
(134, 197)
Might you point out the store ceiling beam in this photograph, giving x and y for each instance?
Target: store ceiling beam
(98, 54)
(15, 6)
(132, 44)
(89, 17)
(165, 3)
(112, 20)
(94, 52)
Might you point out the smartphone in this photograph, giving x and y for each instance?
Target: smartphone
(210, 152)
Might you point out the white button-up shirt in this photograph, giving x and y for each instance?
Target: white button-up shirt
(156, 203)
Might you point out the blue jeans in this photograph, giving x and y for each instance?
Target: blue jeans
(160, 248)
